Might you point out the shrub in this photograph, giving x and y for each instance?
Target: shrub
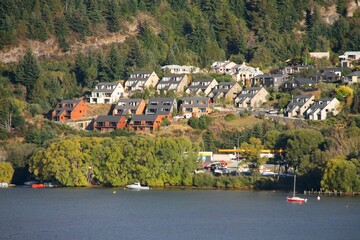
(6, 172)
(230, 117)
(35, 109)
(204, 180)
(165, 122)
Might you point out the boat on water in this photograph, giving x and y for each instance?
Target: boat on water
(137, 186)
(45, 185)
(4, 185)
(37, 185)
(295, 199)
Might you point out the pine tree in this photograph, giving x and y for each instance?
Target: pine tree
(28, 72)
(112, 15)
(115, 64)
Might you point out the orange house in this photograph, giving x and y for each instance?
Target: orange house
(145, 123)
(69, 110)
(108, 123)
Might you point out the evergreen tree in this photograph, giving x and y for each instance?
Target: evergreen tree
(115, 63)
(28, 71)
(112, 15)
(62, 32)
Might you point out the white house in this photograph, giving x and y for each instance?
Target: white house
(353, 77)
(243, 73)
(201, 86)
(298, 106)
(223, 67)
(251, 97)
(348, 57)
(177, 69)
(139, 80)
(322, 108)
(173, 82)
(107, 92)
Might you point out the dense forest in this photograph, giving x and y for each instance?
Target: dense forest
(266, 33)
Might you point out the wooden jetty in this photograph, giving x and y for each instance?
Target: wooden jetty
(335, 193)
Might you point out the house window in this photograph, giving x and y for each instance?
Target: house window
(137, 122)
(101, 124)
(112, 124)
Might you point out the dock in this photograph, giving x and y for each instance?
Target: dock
(334, 193)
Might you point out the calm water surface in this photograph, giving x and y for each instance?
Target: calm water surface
(67, 213)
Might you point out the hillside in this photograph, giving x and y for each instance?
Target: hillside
(237, 29)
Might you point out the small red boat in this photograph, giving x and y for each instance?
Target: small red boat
(38, 185)
(296, 200)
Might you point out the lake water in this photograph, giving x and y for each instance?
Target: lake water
(76, 213)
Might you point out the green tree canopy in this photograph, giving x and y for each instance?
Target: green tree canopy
(341, 175)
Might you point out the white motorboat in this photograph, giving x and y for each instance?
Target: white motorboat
(137, 186)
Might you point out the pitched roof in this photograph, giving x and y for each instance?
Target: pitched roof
(304, 80)
(356, 73)
(144, 117)
(72, 101)
(108, 118)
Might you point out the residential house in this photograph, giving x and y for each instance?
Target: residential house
(145, 123)
(269, 80)
(294, 69)
(69, 110)
(161, 106)
(243, 73)
(108, 123)
(226, 90)
(320, 55)
(173, 82)
(348, 58)
(201, 86)
(176, 69)
(223, 67)
(298, 106)
(353, 77)
(140, 80)
(300, 83)
(107, 92)
(323, 108)
(129, 106)
(252, 97)
(328, 74)
(195, 106)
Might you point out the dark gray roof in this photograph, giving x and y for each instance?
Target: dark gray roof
(105, 84)
(270, 75)
(144, 117)
(356, 73)
(69, 101)
(197, 101)
(161, 99)
(252, 88)
(108, 118)
(321, 103)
